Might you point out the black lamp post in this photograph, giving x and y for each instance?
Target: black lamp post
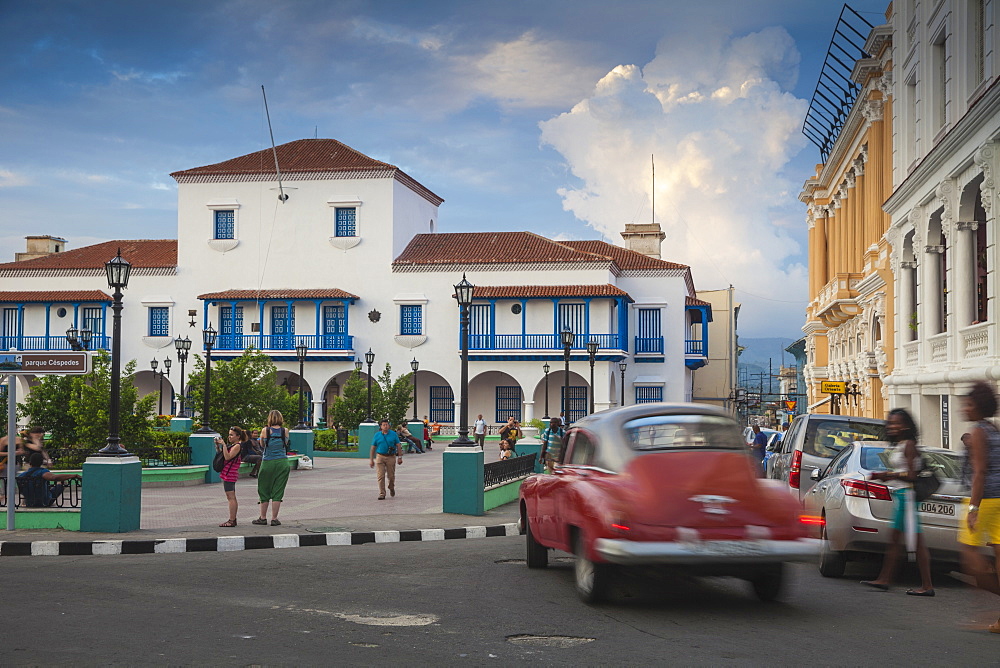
(621, 367)
(208, 337)
(117, 270)
(182, 346)
(463, 294)
(592, 351)
(79, 339)
(301, 349)
(159, 406)
(546, 368)
(414, 365)
(357, 366)
(166, 372)
(567, 338)
(369, 360)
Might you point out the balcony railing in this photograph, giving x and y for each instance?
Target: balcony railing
(48, 343)
(694, 347)
(539, 341)
(649, 345)
(284, 341)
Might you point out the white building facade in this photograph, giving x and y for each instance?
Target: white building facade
(346, 256)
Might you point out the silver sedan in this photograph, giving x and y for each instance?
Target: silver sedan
(854, 515)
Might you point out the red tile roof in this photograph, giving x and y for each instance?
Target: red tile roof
(627, 260)
(54, 296)
(255, 295)
(693, 301)
(489, 248)
(528, 291)
(142, 253)
(303, 155)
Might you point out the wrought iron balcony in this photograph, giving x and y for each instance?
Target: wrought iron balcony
(541, 342)
(649, 345)
(49, 343)
(284, 341)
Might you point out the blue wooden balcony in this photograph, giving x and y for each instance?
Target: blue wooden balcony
(541, 342)
(694, 347)
(284, 341)
(49, 343)
(649, 345)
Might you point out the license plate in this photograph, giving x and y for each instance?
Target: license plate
(728, 548)
(936, 508)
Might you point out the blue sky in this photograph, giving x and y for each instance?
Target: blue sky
(538, 116)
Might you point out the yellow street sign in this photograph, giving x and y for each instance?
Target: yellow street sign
(833, 387)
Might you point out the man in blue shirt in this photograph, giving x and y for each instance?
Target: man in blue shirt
(551, 438)
(385, 454)
(757, 448)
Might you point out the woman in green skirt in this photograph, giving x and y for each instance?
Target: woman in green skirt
(273, 474)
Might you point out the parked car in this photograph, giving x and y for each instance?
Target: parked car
(813, 440)
(663, 485)
(853, 515)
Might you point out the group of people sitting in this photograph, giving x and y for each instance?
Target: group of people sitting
(32, 482)
(413, 444)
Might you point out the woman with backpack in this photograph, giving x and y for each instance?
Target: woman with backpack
(231, 452)
(273, 474)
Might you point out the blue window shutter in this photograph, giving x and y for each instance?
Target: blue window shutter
(225, 224)
(159, 321)
(410, 321)
(93, 320)
(648, 394)
(346, 222)
(442, 403)
(508, 403)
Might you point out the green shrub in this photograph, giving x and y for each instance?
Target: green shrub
(327, 441)
(169, 439)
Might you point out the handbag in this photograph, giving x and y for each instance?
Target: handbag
(219, 462)
(927, 482)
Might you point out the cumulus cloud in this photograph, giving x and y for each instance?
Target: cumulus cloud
(9, 179)
(715, 112)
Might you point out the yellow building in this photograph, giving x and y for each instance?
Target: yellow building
(850, 317)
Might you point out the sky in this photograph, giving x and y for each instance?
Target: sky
(523, 115)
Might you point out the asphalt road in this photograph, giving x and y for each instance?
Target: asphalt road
(459, 602)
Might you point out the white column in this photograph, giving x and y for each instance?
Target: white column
(904, 321)
(317, 411)
(964, 288)
(930, 290)
(529, 411)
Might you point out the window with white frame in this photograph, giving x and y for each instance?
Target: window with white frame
(345, 221)
(225, 224)
(411, 319)
(159, 321)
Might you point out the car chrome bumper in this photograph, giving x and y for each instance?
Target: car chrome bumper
(700, 552)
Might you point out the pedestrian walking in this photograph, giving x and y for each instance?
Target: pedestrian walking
(386, 452)
(906, 462)
(551, 438)
(980, 524)
(273, 474)
(232, 452)
(480, 431)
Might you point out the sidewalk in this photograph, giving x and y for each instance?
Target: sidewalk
(338, 496)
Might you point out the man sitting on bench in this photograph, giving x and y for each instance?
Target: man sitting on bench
(36, 493)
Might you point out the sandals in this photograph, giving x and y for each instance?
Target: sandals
(260, 521)
(228, 523)
(275, 523)
(926, 592)
(875, 585)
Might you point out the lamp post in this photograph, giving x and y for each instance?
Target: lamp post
(166, 372)
(208, 337)
(621, 367)
(301, 349)
(369, 360)
(463, 295)
(414, 365)
(592, 351)
(567, 338)
(79, 339)
(117, 270)
(357, 366)
(546, 368)
(182, 346)
(159, 406)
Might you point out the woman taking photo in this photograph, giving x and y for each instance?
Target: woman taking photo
(906, 463)
(981, 472)
(231, 471)
(273, 474)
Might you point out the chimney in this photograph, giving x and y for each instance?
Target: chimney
(40, 246)
(644, 238)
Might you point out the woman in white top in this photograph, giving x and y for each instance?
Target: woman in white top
(905, 461)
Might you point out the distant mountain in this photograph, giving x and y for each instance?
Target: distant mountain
(759, 353)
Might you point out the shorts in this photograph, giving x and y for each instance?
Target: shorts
(228, 486)
(987, 525)
(901, 497)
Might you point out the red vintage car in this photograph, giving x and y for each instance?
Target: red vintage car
(663, 485)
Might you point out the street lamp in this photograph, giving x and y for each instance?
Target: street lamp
(546, 368)
(208, 337)
(463, 295)
(182, 346)
(357, 366)
(79, 339)
(159, 406)
(118, 270)
(166, 372)
(369, 360)
(592, 351)
(621, 367)
(567, 338)
(301, 349)
(414, 365)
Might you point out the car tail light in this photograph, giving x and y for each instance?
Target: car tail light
(867, 490)
(795, 472)
(620, 528)
(812, 520)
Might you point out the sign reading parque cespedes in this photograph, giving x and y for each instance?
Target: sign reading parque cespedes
(43, 363)
(833, 387)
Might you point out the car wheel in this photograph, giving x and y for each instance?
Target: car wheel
(831, 562)
(592, 580)
(768, 583)
(537, 554)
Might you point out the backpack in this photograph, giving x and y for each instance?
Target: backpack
(282, 433)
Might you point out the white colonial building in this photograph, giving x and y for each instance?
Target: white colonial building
(346, 256)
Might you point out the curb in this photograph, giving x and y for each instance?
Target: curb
(52, 548)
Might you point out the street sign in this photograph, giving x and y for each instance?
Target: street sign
(44, 363)
(833, 387)
(790, 404)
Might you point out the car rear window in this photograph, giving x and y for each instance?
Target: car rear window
(825, 438)
(875, 459)
(672, 432)
(947, 464)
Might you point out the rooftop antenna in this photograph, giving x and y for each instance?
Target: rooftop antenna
(282, 196)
